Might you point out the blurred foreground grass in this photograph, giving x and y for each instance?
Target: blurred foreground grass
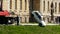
(9, 29)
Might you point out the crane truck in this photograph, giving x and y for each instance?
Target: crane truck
(6, 17)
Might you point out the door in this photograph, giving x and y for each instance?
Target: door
(57, 20)
(34, 5)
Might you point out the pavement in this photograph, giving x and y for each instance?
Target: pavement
(37, 24)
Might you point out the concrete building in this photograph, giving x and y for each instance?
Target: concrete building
(25, 7)
(50, 6)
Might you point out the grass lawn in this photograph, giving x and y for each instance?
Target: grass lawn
(8, 29)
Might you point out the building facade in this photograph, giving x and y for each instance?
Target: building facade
(20, 7)
(47, 7)
(50, 9)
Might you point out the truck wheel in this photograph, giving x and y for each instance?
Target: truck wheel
(10, 21)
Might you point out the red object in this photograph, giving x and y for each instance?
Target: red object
(4, 13)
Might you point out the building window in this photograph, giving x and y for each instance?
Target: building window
(43, 6)
(20, 19)
(10, 4)
(25, 4)
(48, 19)
(1, 1)
(44, 18)
(20, 4)
(48, 5)
(59, 7)
(15, 4)
(55, 7)
(25, 19)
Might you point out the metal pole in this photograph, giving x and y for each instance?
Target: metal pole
(17, 20)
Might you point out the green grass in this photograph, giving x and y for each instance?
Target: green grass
(5, 29)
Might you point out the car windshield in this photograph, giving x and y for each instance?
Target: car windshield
(39, 16)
